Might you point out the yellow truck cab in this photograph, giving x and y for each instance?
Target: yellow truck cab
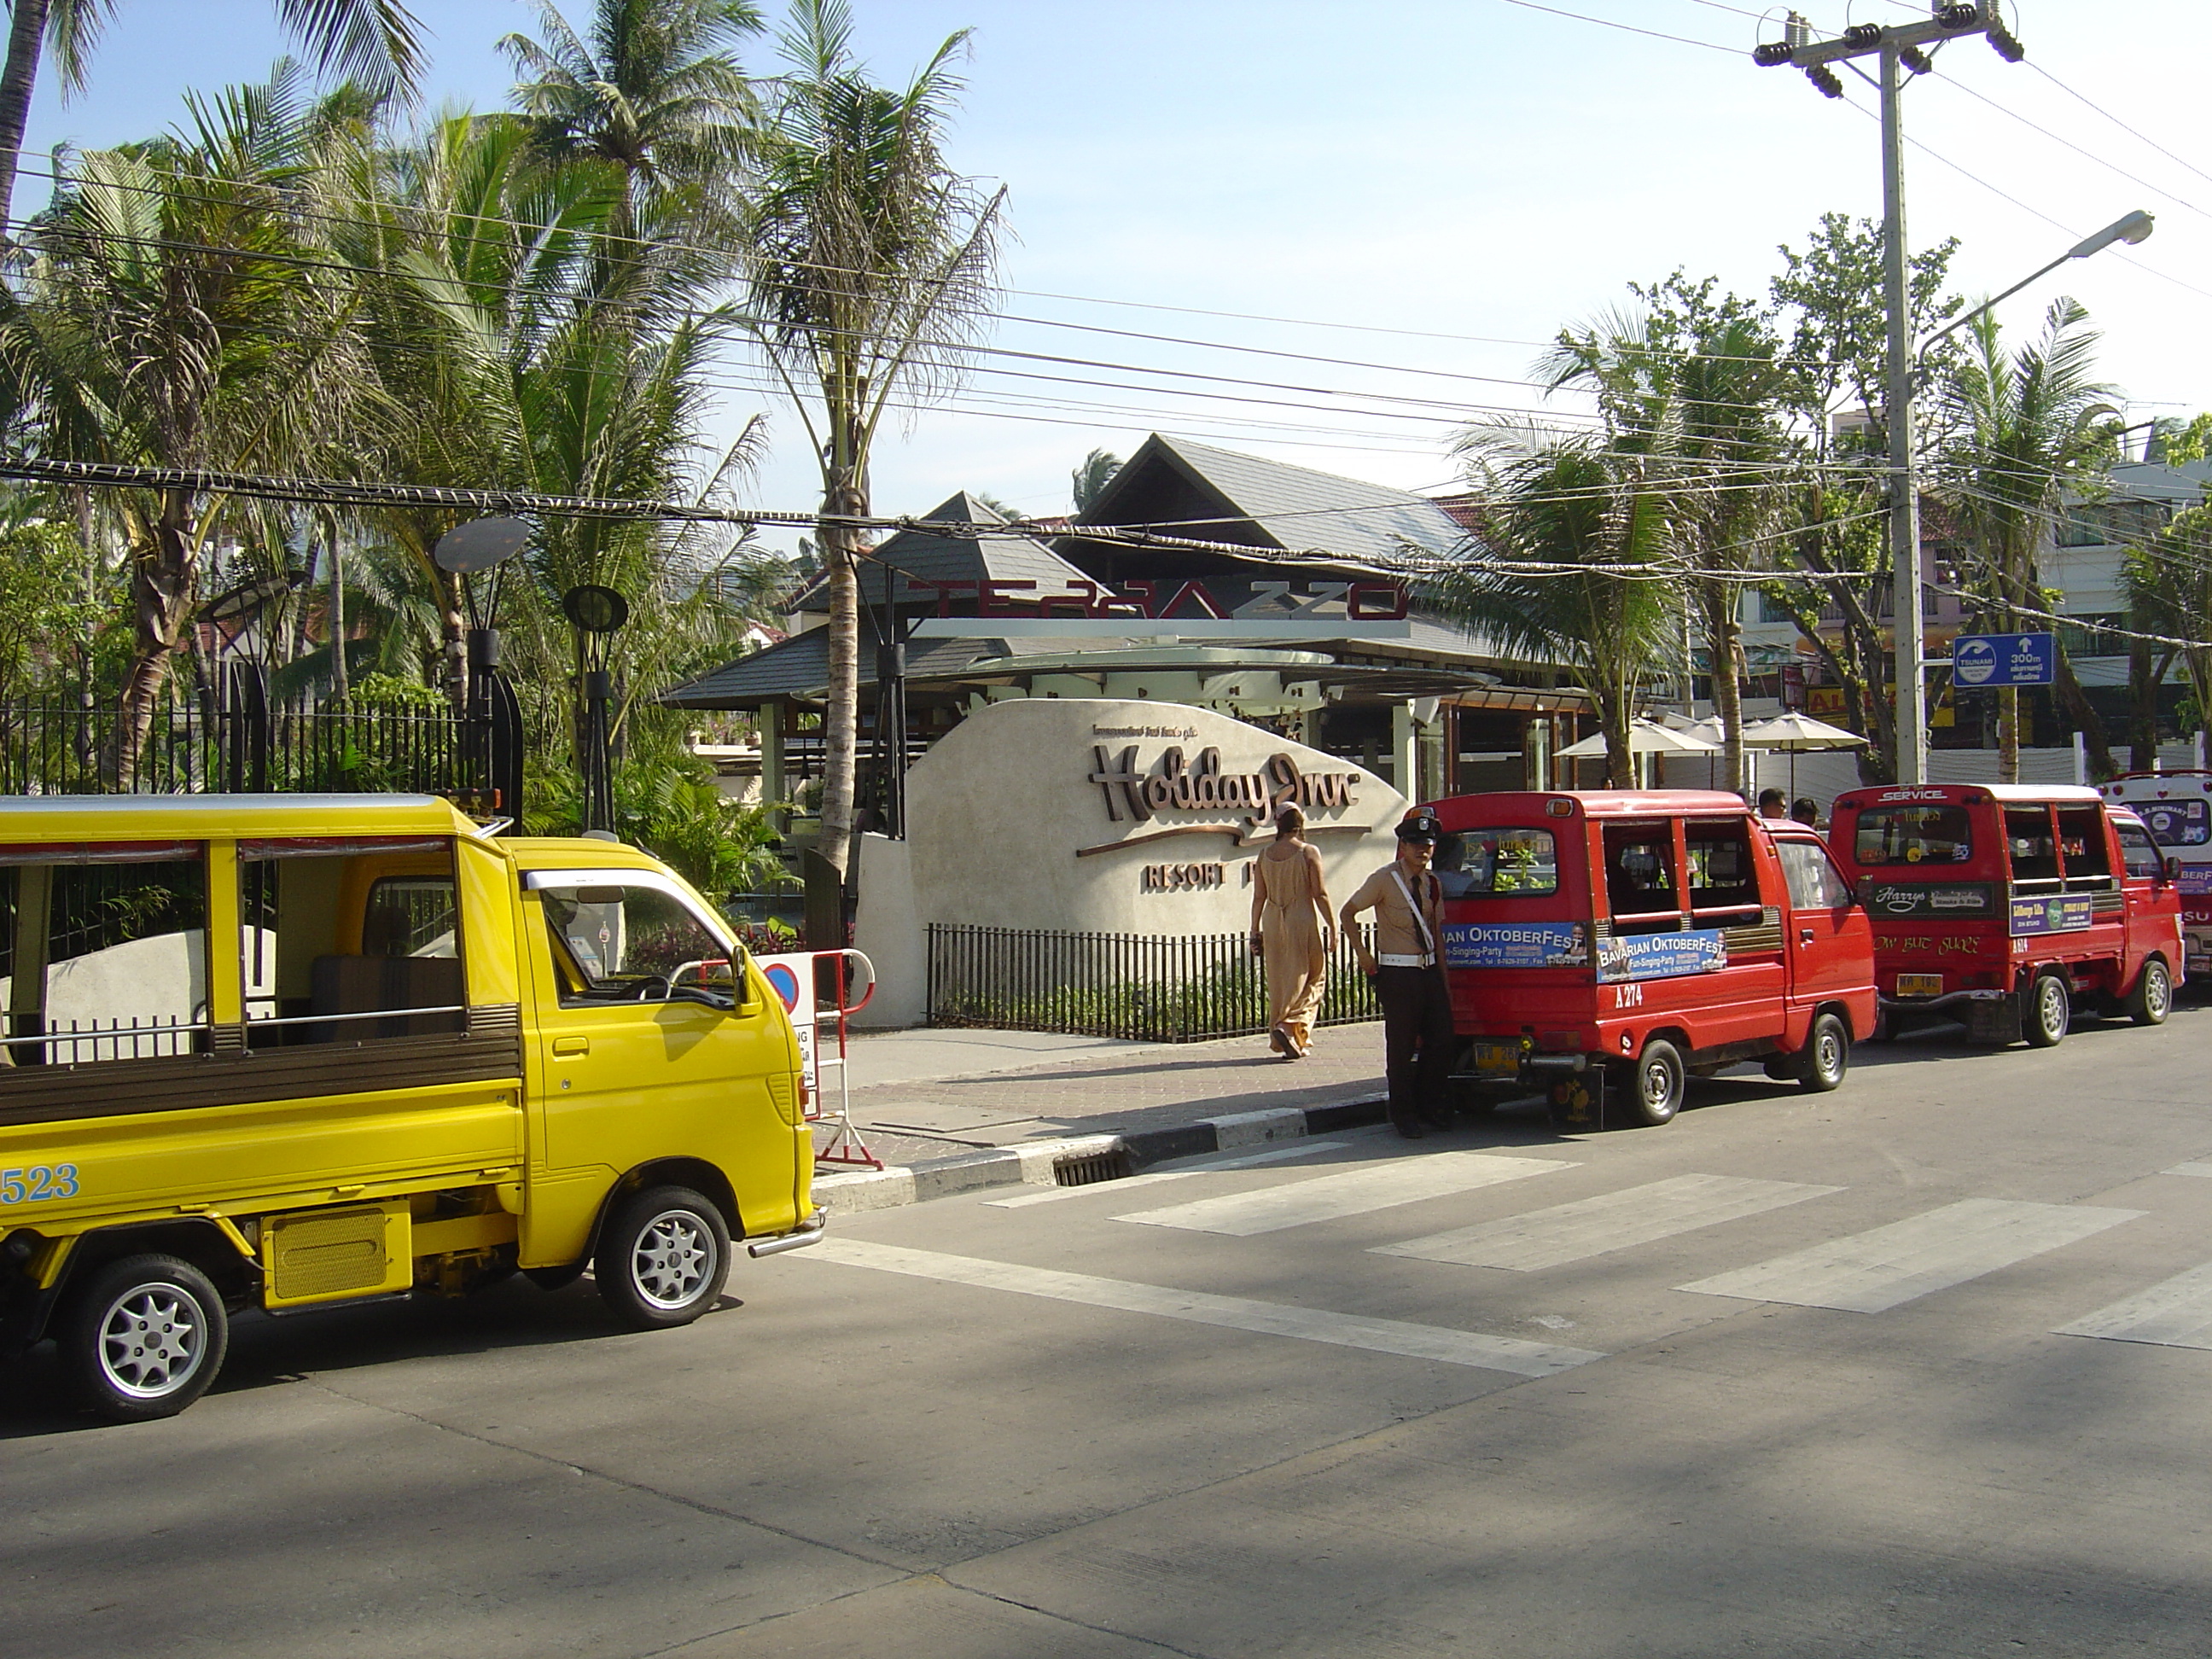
(285, 1051)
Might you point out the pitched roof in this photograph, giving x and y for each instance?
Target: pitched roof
(1295, 508)
(921, 557)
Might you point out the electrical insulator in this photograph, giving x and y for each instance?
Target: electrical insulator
(1916, 60)
(1797, 31)
(1955, 14)
(1825, 78)
(2008, 46)
(1767, 54)
(1860, 36)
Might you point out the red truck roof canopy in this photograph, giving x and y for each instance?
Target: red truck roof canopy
(1533, 807)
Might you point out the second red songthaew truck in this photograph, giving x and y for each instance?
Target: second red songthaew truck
(2007, 907)
(1610, 944)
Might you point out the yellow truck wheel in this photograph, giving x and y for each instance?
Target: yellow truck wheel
(144, 1338)
(662, 1258)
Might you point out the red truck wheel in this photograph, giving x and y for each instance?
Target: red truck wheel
(2152, 999)
(2050, 1012)
(1828, 1056)
(1652, 1087)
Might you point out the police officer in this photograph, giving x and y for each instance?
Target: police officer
(1406, 965)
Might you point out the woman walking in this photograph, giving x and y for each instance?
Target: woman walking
(1290, 932)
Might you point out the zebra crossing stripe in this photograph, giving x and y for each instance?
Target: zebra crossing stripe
(1391, 1336)
(1612, 1221)
(1355, 1192)
(1869, 1272)
(2175, 1313)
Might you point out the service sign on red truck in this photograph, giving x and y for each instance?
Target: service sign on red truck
(1610, 944)
(2007, 906)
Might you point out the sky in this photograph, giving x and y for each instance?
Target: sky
(1418, 193)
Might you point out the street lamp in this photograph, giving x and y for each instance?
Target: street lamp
(1911, 568)
(2134, 228)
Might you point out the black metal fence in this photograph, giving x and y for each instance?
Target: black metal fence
(227, 736)
(1149, 987)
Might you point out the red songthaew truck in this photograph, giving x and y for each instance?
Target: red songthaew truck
(2007, 906)
(1608, 944)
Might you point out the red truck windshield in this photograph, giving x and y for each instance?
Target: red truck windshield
(1913, 835)
(1499, 863)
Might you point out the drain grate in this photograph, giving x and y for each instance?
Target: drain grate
(1087, 1169)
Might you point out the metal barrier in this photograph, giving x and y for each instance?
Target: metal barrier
(801, 978)
(1149, 987)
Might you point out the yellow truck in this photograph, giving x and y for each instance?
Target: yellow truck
(288, 1051)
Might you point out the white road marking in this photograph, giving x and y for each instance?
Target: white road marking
(1051, 1193)
(1873, 1271)
(2198, 1168)
(1433, 1342)
(2176, 1313)
(1613, 1221)
(1355, 1192)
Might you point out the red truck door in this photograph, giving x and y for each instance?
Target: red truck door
(1826, 964)
(2154, 910)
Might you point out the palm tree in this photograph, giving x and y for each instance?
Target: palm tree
(2026, 426)
(2169, 586)
(652, 88)
(1090, 480)
(1563, 570)
(1692, 382)
(871, 262)
(175, 315)
(515, 353)
(377, 42)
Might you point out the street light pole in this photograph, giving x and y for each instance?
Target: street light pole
(1899, 47)
(1910, 711)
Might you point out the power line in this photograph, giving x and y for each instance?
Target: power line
(2086, 154)
(2131, 132)
(1626, 28)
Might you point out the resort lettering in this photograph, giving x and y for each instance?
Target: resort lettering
(1173, 785)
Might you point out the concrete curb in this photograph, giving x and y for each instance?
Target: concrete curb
(1035, 1164)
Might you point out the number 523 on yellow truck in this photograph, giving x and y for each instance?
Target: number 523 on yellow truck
(286, 1052)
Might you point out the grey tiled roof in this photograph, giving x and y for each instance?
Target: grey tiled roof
(799, 667)
(1297, 507)
(925, 558)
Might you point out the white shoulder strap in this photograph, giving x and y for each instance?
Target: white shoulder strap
(1420, 922)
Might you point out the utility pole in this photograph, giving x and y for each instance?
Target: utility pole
(1899, 48)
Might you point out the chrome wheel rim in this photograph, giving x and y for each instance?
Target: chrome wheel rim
(2051, 1007)
(1658, 1086)
(1828, 1055)
(2158, 989)
(672, 1260)
(153, 1340)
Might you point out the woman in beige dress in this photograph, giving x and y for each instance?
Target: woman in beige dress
(1290, 932)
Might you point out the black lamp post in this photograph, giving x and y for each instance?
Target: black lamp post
(478, 545)
(595, 613)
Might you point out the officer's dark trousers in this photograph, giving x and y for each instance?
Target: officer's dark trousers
(1418, 1044)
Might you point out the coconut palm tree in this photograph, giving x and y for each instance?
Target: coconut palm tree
(1692, 382)
(1563, 570)
(652, 87)
(377, 42)
(2025, 428)
(871, 262)
(175, 314)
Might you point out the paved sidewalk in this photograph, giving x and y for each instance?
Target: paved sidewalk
(924, 1095)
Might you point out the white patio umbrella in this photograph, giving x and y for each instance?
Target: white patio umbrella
(1794, 733)
(1644, 738)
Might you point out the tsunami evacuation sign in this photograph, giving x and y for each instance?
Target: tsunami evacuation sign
(1998, 659)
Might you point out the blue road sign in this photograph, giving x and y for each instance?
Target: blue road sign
(1990, 660)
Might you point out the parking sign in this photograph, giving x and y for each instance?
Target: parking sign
(1994, 659)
